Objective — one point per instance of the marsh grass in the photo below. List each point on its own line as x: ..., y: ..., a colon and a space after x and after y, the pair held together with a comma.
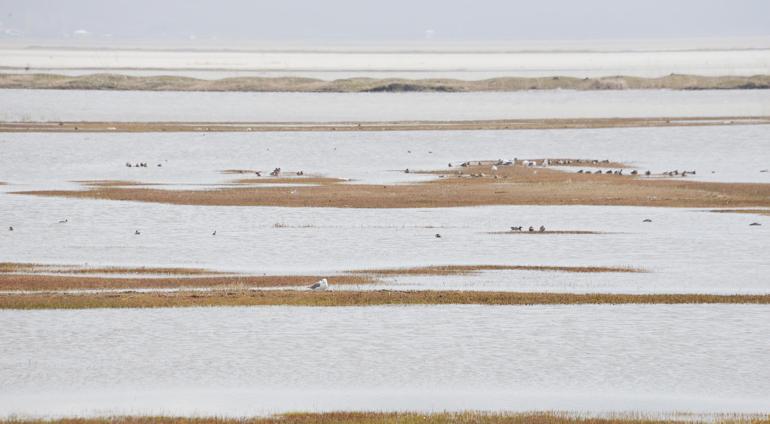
x: 350, y: 298
x: 470, y: 417
x: 470, y: 269
x: 176, y: 83
x: 547, y: 232
x: 33, y: 282
x: 46, y: 277
x: 456, y: 188
x: 497, y: 124
x: 17, y: 267
x: 764, y: 212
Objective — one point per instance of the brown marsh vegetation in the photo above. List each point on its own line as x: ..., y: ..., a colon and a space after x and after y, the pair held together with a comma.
x: 469, y: 269
x: 505, y: 124
x: 16, y: 267
x: 37, y: 282
x: 290, y: 84
x: 403, y: 418
x: 469, y: 186
x: 765, y: 212
x: 238, y: 297
x: 42, y: 277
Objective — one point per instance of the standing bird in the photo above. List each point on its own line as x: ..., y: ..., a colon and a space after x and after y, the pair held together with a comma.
x: 10, y: 228
x: 320, y: 286
x: 542, y: 228
x: 214, y: 233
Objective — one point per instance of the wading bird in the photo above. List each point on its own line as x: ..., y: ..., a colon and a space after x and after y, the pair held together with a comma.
x: 320, y: 285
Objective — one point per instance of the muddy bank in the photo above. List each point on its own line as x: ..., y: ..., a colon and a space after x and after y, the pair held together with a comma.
x: 477, y: 185
x: 350, y: 298
x: 498, y: 124
x: 42, y: 277
x: 353, y: 85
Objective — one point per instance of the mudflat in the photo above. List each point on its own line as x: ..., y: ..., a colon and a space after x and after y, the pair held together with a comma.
x: 464, y: 125
x: 476, y: 185
x: 352, y: 85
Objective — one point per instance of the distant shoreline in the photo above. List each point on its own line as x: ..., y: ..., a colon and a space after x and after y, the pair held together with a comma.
x: 358, y: 126
x: 121, y: 82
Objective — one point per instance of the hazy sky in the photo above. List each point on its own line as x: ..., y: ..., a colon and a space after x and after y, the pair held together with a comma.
x: 383, y: 20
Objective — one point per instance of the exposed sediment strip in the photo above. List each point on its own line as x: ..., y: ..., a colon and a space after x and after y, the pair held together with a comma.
x: 765, y: 212
x: 471, y: 417
x: 470, y: 269
x: 349, y: 298
x: 38, y: 282
x: 454, y: 187
x: 500, y: 124
x: 38, y: 268
x: 40, y: 277
x: 524, y: 232
x: 106, y: 81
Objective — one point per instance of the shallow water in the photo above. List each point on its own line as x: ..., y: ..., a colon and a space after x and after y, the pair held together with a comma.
x: 244, y: 361
x: 91, y: 105
x: 733, y: 153
x: 684, y: 250
x: 467, y: 62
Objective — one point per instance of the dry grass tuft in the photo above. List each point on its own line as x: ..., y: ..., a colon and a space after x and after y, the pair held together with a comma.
x: 350, y: 298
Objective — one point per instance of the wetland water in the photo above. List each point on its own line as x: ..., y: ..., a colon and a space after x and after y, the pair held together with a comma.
x: 241, y: 361
x: 93, y: 105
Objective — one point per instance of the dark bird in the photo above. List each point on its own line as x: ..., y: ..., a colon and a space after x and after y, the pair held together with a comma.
x: 647, y: 220
x: 10, y: 228
x: 136, y: 233
x: 755, y: 224
x: 214, y: 233
x: 438, y: 235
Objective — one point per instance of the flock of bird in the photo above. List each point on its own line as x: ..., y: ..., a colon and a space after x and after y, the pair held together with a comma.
x: 531, y: 229
x: 139, y: 165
